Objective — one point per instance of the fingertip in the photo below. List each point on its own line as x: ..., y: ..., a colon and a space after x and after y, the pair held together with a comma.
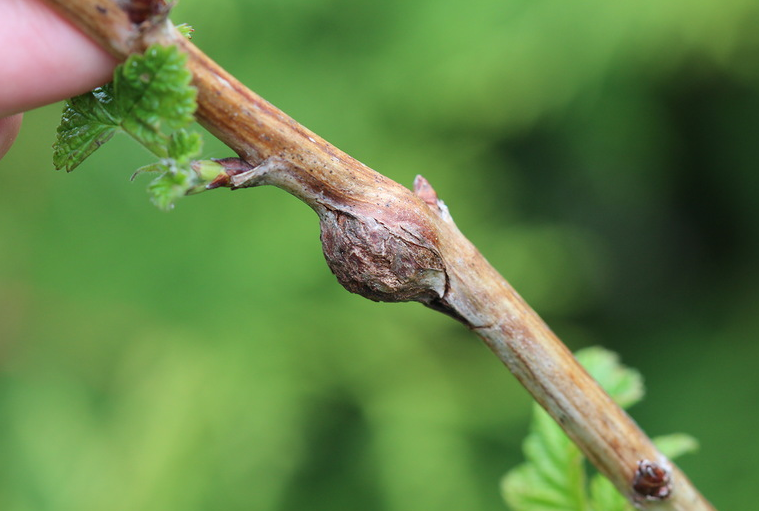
x: 9, y: 128
x: 52, y: 59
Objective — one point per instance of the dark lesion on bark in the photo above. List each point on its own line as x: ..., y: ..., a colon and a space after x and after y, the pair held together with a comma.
x: 369, y: 259
x: 381, y: 252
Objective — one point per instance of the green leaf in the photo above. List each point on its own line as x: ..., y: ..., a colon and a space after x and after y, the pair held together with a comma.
x: 168, y: 187
x: 88, y: 121
x: 676, y: 444
x: 605, y: 497
x: 184, y: 145
x: 153, y: 90
x: 553, y: 477
x: 149, y: 92
x: 624, y: 385
x: 179, y: 178
x: 186, y: 30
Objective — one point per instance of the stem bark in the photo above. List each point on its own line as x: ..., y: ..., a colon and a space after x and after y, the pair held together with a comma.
x: 391, y: 244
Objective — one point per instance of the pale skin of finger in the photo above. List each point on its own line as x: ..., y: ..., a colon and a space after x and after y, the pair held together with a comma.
x: 9, y: 127
x: 45, y: 59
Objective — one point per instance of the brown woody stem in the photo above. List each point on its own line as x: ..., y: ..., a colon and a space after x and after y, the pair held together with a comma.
x: 388, y: 243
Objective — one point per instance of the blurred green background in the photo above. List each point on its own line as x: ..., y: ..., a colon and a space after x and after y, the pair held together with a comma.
x: 602, y: 155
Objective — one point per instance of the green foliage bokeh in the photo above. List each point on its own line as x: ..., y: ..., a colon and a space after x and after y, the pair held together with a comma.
x: 603, y: 156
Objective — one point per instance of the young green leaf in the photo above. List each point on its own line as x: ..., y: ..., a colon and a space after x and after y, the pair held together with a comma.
x: 184, y: 145
x: 605, y: 497
x: 148, y: 92
x: 152, y: 100
x: 676, y: 444
x: 179, y: 178
x: 553, y: 477
x: 624, y: 384
x: 169, y: 186
x: 88, y: 121
x: 186, y: 30
x: 153, y: 90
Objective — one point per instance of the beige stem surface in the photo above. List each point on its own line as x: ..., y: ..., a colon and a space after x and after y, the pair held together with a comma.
x: 391, y: 244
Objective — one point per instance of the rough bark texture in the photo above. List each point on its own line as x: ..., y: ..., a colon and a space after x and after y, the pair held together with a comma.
x: 388, y: 243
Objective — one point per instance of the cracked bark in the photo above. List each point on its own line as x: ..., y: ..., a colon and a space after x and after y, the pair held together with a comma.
x: 388, y: 243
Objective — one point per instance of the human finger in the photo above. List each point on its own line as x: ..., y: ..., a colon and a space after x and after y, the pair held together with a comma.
x: 9, y: 127
x: 46, y: 59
